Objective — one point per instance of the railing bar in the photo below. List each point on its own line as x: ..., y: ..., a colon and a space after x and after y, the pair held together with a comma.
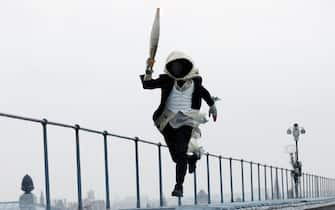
x: 92, y: 131
x: 221, y: 182
x: 160, y: 176
x: 102, y: 132
x: 259, y: 181
x: 208, y: 181
x: 46, y: 164
x: 251, y: 182
x: 20, y: 118
x: 271, y: 182
x: 231, y: 181
x: 242, y: 180
x: 106, y: 171
x: 147, y: 142
x: 282, y: 183
x: 286, y: 176
x: 138, y: 197
x: 265, y: 184
x: 195, y: 186
x: 80, y: 203
x: 62, y: 125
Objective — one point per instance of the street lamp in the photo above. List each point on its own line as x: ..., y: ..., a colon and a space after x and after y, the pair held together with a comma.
x: 296, y: 131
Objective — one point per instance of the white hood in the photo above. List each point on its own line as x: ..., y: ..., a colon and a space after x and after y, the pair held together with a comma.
x: 174, y: 55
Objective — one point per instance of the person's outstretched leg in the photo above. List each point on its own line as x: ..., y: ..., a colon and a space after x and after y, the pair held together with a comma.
x: 170, y: 139
x: 183, y: 135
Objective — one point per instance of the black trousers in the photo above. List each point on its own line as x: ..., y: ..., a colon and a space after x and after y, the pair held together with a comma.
x: 177, y: 141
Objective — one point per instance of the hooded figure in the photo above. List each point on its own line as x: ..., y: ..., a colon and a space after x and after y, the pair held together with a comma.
x: 178, y: 116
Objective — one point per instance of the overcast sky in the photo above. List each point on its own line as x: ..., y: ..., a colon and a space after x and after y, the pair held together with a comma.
x: 78, y: 61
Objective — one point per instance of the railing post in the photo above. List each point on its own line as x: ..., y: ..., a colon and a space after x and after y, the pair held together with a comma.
x: 293, y: 186
x: 195, y: 186
x: 300, y: 187
x: 231, y: 181
x: 322, y: 187
x: 242, y: 179
x: 319, y: 186
x: 328, y: 186
x: 313, y: 187
x: 80, y: 202
x: 303, y: 186
x: 160, y: 175
x: 46, y: 164
x: 251, y: 182
x: 138, y: 197
x: 282, y: 184
x: 309, y: 186
x: 287, y: 191
x: 277, y: 184
x: 221, y: 184
x: 271, y: 182
x: 259, y: 182
x: 325, y: 186
x: 316, y: 187
x: 208, y: 179
x: 105, y: 133
x: 265, y: 184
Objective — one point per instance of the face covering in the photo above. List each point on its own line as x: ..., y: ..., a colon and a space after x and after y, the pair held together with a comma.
x: 179, y: 68
x: 176, y: 69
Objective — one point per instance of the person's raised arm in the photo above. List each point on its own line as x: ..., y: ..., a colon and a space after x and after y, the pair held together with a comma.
x: 147, y: 81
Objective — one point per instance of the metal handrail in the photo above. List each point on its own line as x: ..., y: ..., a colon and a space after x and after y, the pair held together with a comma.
x: 311, y: 186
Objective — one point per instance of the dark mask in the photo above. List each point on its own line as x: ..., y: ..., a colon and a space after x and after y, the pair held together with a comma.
x: 179, y: 68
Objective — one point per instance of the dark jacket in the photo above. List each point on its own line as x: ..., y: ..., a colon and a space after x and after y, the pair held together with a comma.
x: 165, y: 83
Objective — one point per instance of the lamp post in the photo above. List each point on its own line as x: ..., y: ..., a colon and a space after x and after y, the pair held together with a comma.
x: 296, y: 131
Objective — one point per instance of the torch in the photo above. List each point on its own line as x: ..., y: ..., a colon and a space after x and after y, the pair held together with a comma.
x: 154, y: 38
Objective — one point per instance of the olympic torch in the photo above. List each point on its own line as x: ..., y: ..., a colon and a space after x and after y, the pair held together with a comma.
x: 154, y: 38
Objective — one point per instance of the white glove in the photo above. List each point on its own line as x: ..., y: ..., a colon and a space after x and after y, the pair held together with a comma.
x: 213, y: 111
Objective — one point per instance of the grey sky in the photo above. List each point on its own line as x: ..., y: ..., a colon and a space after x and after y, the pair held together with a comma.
x: 78, y: 61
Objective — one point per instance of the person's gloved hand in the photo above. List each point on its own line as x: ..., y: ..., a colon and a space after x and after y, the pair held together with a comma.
x: 150, y: 63
x: 213, y: 111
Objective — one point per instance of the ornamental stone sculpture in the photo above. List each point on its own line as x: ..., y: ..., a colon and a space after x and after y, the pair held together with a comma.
x: 27, y: 200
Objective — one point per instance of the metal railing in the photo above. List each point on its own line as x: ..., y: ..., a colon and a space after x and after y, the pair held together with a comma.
x: 311, y: 186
